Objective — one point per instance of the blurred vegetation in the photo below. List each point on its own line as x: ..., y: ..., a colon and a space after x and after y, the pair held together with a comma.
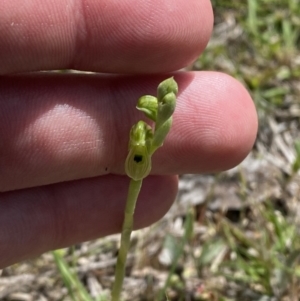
x: 257, y: 41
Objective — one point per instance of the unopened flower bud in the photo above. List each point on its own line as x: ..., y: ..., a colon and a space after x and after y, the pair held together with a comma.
x: 166, y: 108
x: 148, y: 105
x: 167, y: 86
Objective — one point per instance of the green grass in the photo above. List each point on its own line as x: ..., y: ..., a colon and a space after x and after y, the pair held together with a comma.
x: 263, y: 260
x: 76, y: 290
x: 75, y: 287
x: 263, y: 55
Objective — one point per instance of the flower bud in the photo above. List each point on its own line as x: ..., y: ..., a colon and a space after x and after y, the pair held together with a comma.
x: 166, y: 108
x: 148, y: 105
x: 167, y: 86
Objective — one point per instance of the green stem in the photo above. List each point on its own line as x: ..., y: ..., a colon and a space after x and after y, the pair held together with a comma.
x: 134, y: 190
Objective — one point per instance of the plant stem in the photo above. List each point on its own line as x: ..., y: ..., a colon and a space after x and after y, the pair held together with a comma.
x: 133, y: 192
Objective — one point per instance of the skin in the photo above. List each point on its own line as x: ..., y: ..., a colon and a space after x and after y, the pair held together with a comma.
x: 64, y: 137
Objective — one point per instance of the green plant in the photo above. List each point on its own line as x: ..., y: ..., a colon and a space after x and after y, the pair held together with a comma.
x: 296, y: 164
x: 143, y: 142
x: 76, y: 290
x: 264, y: 261
x: 178, y: 250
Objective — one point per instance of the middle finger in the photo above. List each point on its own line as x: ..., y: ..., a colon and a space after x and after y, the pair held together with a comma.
x: 59, y: 128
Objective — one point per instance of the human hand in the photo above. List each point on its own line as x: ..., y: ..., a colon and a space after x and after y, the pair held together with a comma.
x: 64, y: 136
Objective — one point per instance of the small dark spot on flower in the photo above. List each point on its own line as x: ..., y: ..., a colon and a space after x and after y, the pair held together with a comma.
x: 138, y: 158
x: 106, y: 168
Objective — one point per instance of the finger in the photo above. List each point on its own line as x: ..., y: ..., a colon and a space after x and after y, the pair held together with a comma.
x: 36, y: 220
x: 129, y: 36
x: 63, y: 128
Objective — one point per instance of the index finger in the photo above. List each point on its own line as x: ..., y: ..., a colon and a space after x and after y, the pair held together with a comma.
x: 129, y: 36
